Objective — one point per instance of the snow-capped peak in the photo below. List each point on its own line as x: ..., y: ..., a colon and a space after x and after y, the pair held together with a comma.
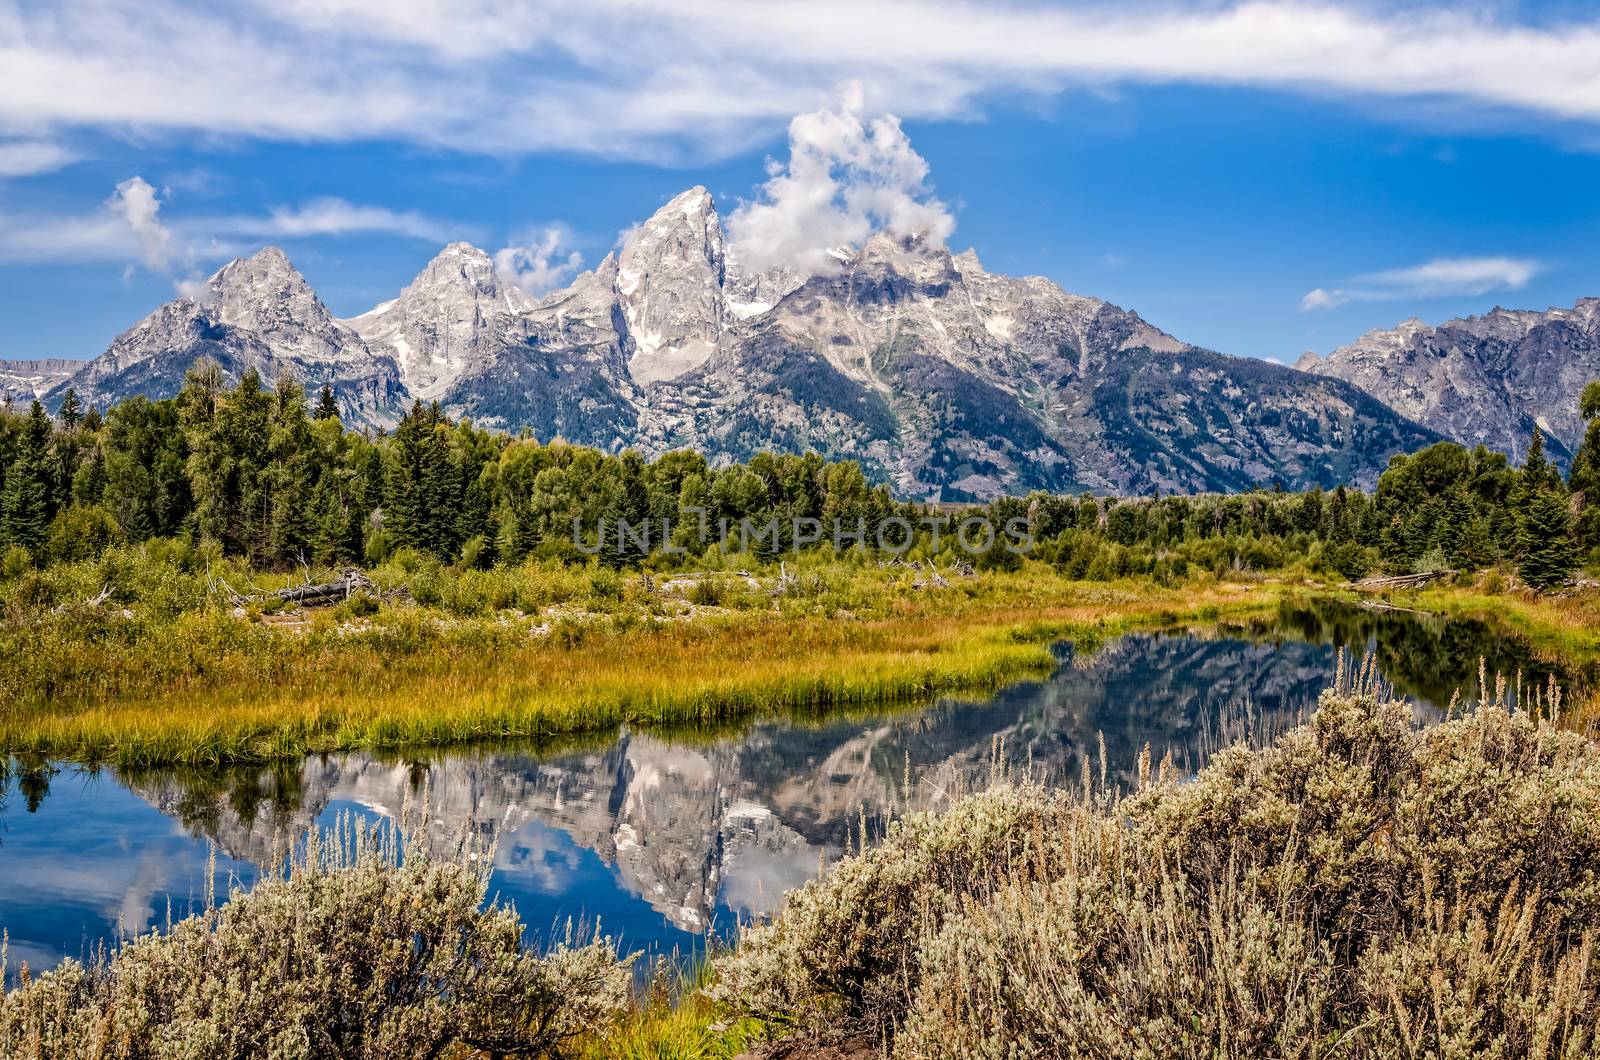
x: 669, y: 288
x: 451, y: 318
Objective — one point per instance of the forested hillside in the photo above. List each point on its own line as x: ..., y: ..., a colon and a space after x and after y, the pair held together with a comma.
x: 273, y: 478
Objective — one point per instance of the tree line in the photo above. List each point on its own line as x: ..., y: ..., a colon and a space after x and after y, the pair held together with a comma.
x: 275, y: 479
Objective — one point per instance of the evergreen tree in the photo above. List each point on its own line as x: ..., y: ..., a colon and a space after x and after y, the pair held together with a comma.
x: 422, y: 489
x: 288, y: 477
x: 1546, y: 550
x: 25, y: 502
x: 1585, y: 478
x: 327, y: 409
x: 229, y: 435
x: 71, y: 411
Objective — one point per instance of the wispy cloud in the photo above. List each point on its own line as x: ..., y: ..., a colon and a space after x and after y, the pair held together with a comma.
x: 131, y: 228
x: 1437, y: 278
x: 337, y: 217
x: 631, y: 76
x: 28, y: 158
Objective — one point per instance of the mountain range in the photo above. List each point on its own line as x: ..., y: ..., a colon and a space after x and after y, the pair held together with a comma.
x: 943, y: 379
x: 1482, y: 380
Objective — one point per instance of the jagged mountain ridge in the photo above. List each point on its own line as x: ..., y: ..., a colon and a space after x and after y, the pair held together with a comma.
x: 451, y: 317
x: 941, y: 378
x: 22, y: 381
x: 256, y: 312
x: 1481, y: 379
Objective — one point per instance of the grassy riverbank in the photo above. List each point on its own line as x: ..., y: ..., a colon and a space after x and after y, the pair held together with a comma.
x: 163, y: 672
x: 1563, y: 629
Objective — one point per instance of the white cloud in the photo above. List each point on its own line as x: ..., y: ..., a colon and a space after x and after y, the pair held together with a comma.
x: 848, y: 175
x: 1317, y: 298
x: 336, y: 217
x: 1440, y: 277
x: 27, y: 158
x: 136, y: 203
x: 539, y: 265
x: 711, y: 76
x: 131, y: 228
x: 1457, y: 276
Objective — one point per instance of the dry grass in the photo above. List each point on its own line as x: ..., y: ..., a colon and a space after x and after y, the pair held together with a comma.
x: 207, y: 688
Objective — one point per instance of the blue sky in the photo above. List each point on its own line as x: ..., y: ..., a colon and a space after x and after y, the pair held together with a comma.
x: 1263, y: 178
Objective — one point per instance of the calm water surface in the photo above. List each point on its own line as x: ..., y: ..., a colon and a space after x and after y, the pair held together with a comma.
x: 666, y: 836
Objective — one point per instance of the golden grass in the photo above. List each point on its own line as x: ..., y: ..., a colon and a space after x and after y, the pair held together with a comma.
x: 269, y: 695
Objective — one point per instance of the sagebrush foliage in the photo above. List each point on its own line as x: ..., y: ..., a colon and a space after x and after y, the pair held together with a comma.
x: 1362, y: 888
x: 363, y: 949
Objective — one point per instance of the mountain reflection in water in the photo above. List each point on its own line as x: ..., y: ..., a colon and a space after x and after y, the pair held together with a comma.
x: 665, y: 837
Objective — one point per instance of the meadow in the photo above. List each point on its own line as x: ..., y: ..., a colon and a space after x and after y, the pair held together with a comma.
x: 141, y: 657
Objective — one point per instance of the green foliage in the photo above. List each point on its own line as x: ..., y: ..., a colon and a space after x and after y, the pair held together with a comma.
x: 1546, y: 549
x: 327, y: 408
x: 81, y: 533
x: 1585, y: 478
x: 25, y: 500
x: 255, y: 471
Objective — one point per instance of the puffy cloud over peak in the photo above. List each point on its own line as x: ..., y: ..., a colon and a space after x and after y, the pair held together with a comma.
x: 848, y: 175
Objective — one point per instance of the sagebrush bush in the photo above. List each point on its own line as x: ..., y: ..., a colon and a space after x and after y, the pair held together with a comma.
x: 844, y: 948
x: 1362, y: 888
x: 364, y: 948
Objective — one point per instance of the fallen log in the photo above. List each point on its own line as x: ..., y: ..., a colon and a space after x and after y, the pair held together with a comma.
x: 350, y: 582
x: 1400, y: 581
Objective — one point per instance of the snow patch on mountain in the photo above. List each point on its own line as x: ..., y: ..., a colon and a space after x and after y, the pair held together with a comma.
x: 448, y: 321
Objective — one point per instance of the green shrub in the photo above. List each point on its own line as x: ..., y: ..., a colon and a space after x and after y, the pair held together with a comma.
x: 15, y: 561
x: 81, y: 533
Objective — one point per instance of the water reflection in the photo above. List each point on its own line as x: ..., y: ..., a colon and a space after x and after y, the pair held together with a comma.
x: 666, y: 837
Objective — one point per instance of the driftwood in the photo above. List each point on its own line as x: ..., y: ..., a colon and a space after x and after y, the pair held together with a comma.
x: 786, y: 581
x: 89, y: 603
x: 684, y: 582
x: 351, y: 581
x: 1401, y: 581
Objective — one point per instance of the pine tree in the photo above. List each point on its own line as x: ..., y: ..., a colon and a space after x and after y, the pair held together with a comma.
x: 1546, y: 550
x: 1538, y: 471
x: 288, y: 476
x: 71, y: 411
x: 327, y: 409
x: 1585, y: 478
x: 25, y: 504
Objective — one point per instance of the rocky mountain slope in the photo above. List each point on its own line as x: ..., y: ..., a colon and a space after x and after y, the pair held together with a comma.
x: 1484, y: 379
x: 256, y: 312
x: 942, y: 378
x: 22, y: 381
x: 452, y: 317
